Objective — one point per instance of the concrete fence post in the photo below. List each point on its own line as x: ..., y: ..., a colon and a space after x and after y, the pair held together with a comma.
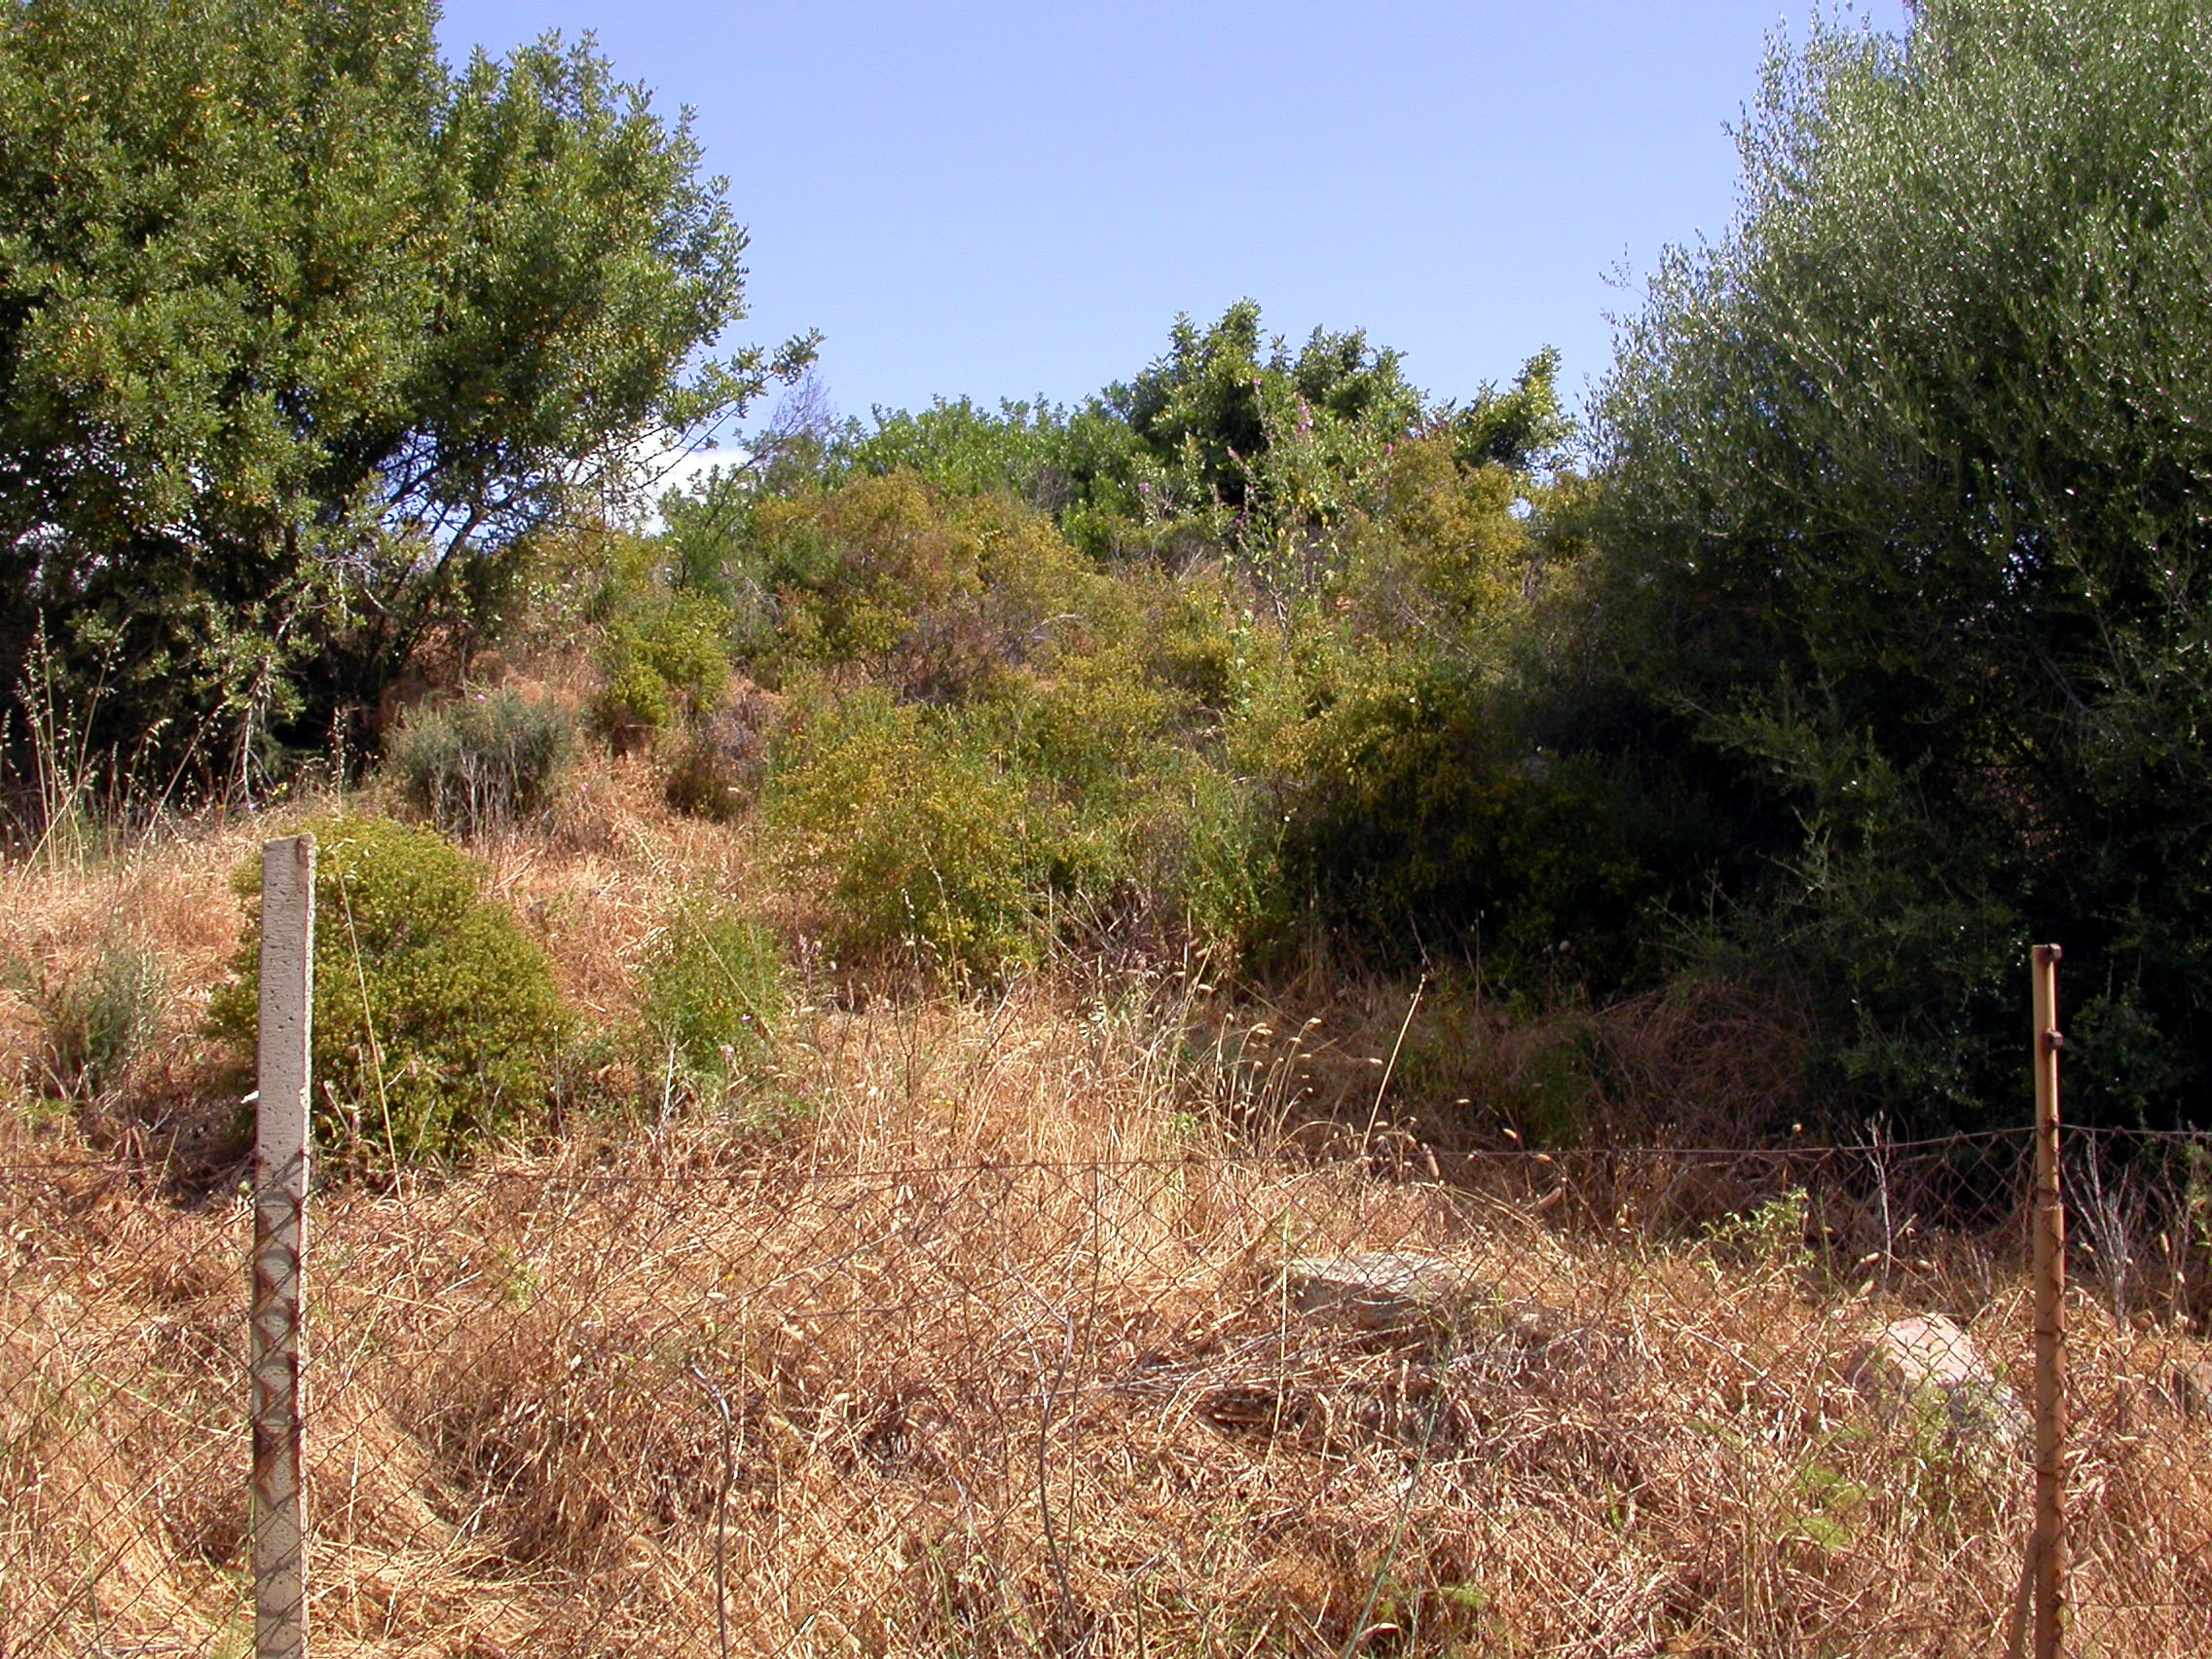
x: 280, y: 1247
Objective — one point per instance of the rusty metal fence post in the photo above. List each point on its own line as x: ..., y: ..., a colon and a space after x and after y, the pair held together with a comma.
x: 280, y: 1246
x: 2049, y: 1548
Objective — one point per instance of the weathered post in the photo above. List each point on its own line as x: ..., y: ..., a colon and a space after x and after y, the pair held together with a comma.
x: 280, y: 1247
x: 2048, y: 1550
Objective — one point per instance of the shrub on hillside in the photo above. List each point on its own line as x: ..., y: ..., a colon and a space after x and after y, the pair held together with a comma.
x: 98, y: 1020
x: 666, y: 662
x: 1207, y: 859
x: 944, y: 598
x: 972, y: 839
x: 484, y: 761
x: 918, y: 841
x: 711, y: 997
x: 1418, y: 817
x: 1905, y: 506
x: 1137, y: 828
x: 436, y: 1020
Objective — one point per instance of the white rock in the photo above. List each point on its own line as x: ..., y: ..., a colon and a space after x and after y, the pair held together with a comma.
x: 1927, y: 1365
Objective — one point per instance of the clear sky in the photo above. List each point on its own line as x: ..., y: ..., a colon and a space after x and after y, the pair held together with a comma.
x: 1008, y: 199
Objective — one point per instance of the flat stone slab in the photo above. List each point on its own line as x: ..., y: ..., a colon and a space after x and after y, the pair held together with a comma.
x: 1392, y: 1290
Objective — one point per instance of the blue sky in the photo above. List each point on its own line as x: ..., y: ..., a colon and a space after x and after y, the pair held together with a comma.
x: 1003, y: 200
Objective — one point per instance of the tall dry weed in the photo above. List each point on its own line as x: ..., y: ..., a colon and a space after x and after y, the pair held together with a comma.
x: 979, y: 1337
x: 991, y: 1352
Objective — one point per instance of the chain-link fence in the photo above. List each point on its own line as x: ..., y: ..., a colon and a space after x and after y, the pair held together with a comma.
x: 709, y: 1398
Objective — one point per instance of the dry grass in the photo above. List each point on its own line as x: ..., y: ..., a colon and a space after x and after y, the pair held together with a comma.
x: 967, y: 1336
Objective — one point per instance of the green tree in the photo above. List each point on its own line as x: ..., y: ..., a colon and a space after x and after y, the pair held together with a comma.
x: 1905, y: 508
x: 302, y: 334
x: 1269, y: 452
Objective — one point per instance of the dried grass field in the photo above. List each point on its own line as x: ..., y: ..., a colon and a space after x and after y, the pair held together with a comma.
x: 976, y: 1336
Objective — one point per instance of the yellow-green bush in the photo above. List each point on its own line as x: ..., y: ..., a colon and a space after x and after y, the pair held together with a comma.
x: 944, y: 598
x: 711, y: 999
x: 918, y: 842
x: 1414, y: 810
x: 436, y: 1020
x: 666, y: 660
x: 1205, y: 855
x: 1443, y: 554
x: 967, y: 837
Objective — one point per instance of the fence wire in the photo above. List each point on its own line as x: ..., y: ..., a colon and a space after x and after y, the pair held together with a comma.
x: 712, y: 1401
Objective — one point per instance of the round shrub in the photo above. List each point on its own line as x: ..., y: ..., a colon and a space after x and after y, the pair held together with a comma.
x: 920, y: 842
x: 665, y: 662
x: 436, y: 1018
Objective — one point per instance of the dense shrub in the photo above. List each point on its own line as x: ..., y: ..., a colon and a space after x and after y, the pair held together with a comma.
x: 1285, y: 691
x: 483, y: 761
x: 944, y: 598
x: 436, y: 1020
x: 1418, y: 823
x: 97, y: 1020
x: 666, y: 659
x: 712, y: 998
x: 969, y: 841
x: 917, y: 840
x: 1204, y: 856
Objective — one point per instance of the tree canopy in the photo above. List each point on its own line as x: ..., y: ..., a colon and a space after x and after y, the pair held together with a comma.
x: 1906, y: 508
x: 303, y: 333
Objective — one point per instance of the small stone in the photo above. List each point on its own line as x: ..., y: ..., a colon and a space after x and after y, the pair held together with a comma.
x: 1927, y: 1364
x: 2188, y: 1391
x: 1389, y: 1291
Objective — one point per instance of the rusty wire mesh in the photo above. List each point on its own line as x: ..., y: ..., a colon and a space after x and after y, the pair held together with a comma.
x: 711, y: 1399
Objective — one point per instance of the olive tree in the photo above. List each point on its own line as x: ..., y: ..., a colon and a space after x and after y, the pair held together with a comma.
x: 1907, y: 507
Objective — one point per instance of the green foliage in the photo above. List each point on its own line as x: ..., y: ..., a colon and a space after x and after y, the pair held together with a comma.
x: 667, y: 663
x: 1523, y: 430
x: 1419, y: 823
x: 1265, y: 454
x: 996, y: 746
x: 946, y: 597
x: 1205, y: 407
x: 1138, y: 831
x: 1405, y: 730
x: 965, y: 450
x: 483, y: 761
x: 1203, y: 858
x: 1200, y: 734
x: 1772, y: 1236
x: 1903, y: 512
x: 712, y: 999
x: 302, y: 334
x: 98, y: 1022
x: 438, y: 1024
x: 919, y: 840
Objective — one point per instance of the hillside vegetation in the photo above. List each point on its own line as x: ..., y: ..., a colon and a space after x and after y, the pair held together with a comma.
x: 1853, y: 639
x: 845, y: 994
